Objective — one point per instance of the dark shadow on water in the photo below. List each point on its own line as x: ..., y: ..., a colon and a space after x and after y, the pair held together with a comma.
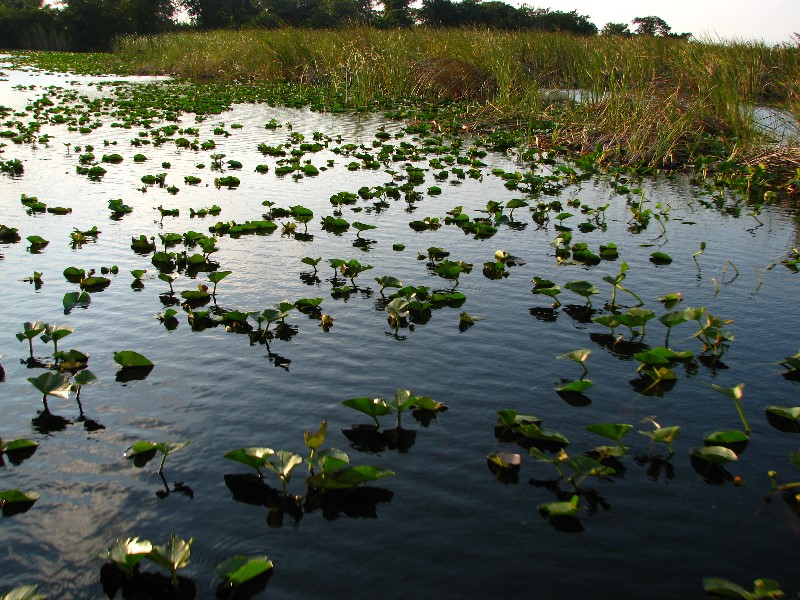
x: 368, y: 438
x: 656, y: 466
x: 782, y: 423
x: 47, y: 423
x: 576, y: 399
x: 711, y: 473
x: 144, y: 585
x: 545, y: 314
x: 648, y: 387
x: 127, y: 374
x: 17, y: 457
x: 249, y: 488
x: 356, y: 503
x: 622, y: 349
x: 580, y: 313
x: 245, y: 591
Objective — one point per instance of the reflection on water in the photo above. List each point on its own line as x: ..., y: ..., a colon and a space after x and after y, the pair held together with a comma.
x: 215, y: 383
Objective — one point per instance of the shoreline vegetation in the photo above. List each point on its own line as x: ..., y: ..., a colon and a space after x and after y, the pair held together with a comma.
x: 643, y: 101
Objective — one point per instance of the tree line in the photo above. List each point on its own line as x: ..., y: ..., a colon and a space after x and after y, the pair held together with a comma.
x: 94, y: 24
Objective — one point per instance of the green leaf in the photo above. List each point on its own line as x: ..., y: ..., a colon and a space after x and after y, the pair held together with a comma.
x: 721, y: 438
x: 717, y: 455
x: 578, y: 385
x: 579, y: 356
x: 511, y: 418
x: 23, y: 592
x: 373, y: 407
x: 665, y: 435
x: 285, y: 463
x: 314, y: 440
x: 217, y: 276
x: 582, y: 288
x: 73, y: 299
x: 16, y: 496
x: 402, y: 400
x: 389, y: 281
x: 240, y: 569
x: 348, y: 477
x: 31, y: 330
x: 734, y: 393
x: 173, y: 555
x: 535, y: 432
x: 763, y: 588
x: 785, y: 412
x: 84, y: 377
x: 52, y: 384
x: 139, y: 448
x: 127, y: 553
x: 612, y: 431
x: 16, y: 445
x: 252, y: 457
x: 95, y: 283
x: 660, y: 258
x: 560, y: 509
x: 129, y: 358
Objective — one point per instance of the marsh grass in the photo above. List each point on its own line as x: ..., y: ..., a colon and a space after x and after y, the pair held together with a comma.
x: 646, y: 100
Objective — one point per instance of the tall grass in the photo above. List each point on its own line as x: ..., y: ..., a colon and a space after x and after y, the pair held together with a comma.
x: 654, y: 100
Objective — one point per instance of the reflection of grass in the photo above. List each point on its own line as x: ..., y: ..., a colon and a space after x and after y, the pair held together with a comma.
x: 659, y: 98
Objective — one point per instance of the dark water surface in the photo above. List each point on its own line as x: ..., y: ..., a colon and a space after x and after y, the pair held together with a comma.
x: 443, y: 527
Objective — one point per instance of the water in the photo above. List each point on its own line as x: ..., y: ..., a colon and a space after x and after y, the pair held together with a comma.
x: 443, y: 527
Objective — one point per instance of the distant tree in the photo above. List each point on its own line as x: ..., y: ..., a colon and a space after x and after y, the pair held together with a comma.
x: 218, y: 14
x: 31, y: 25
x: 556, y: 20
x: 396, y: 13
x: 439, y: 13
x: 616, y: 29
x: 94, y: 24
x: 651, y: 26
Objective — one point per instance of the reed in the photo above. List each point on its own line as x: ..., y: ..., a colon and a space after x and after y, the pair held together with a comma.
x: 653, y: 100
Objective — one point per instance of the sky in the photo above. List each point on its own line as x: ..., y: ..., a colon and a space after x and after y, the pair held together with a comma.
x: 773, y: 21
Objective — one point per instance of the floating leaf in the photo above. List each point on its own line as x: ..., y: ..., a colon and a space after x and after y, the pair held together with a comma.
x: 717, y: 455
x: 785, y: 412
x: 612, y: 431
x: 240, y: 569
x: 578, y: 385
x: 724, y: 438
x: 560, y: 509
x: 129, y: 358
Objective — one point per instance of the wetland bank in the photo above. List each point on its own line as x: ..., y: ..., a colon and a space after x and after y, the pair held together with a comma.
x: 524, y: 324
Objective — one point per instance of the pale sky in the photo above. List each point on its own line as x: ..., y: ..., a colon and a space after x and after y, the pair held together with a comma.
x: 773, y: 21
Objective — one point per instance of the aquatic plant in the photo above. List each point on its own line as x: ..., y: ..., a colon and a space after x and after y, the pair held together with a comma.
x: 29, y: 331
x: 723, y: 588
x: 23, y: 592
x: 51, y: 384
x: 735, y: 393
x: 172, y: 556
